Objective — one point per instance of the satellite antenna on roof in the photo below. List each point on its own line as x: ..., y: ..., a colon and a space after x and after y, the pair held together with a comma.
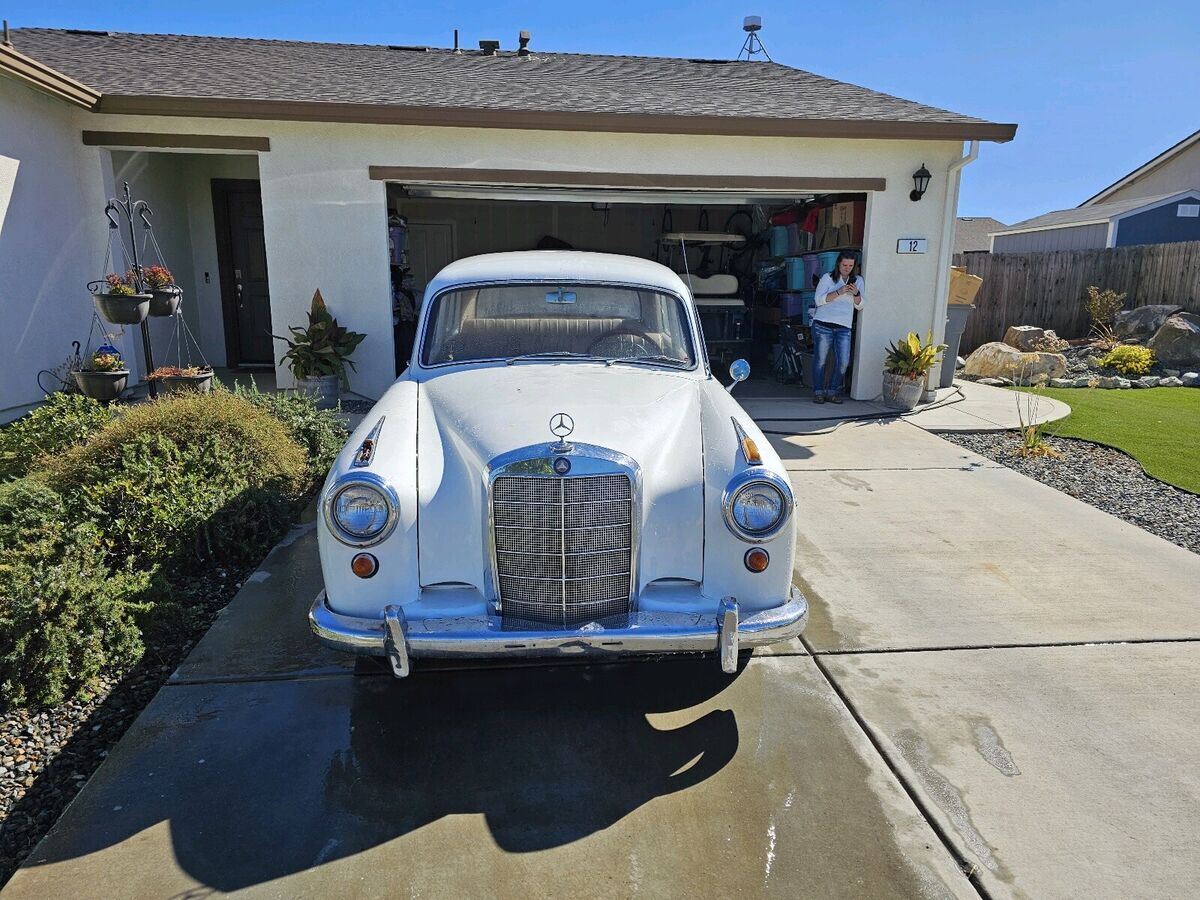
x: 752, y: 25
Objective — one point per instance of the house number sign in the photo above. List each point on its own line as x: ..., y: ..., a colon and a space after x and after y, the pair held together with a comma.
x: 911, y: 245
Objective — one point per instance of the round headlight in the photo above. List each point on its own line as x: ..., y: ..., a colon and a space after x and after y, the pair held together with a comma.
x: 360, y: 511
x: 757, y: 505
x: 757, y: 508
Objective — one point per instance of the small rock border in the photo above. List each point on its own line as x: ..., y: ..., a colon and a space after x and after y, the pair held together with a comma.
x: 47, y: 755
x: 1100, y: 476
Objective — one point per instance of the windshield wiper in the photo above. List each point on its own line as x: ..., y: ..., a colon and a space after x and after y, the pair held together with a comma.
x: 551, y: 354
x: 672, y: 362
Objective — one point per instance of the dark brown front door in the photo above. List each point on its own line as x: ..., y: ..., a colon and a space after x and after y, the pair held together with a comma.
x: 242, y: 255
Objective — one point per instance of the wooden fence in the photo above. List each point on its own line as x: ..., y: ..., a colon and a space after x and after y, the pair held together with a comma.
x: 1048, y: 289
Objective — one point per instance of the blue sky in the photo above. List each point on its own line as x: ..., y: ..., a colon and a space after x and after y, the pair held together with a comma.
x: 1097, y: 87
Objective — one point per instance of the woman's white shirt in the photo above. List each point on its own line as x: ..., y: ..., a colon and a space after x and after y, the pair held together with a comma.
x: 837, y: 310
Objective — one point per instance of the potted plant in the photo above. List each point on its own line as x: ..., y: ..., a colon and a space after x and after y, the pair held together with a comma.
x: 178, y: 380
x: 318, y: 355
x: 165, y: 292
x: 906, y: 370
x: 102, y: 377
x: 118, y: 299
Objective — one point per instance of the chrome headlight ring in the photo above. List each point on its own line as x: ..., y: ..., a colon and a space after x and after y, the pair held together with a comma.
x: 379, y: 486
x: 757, y: 475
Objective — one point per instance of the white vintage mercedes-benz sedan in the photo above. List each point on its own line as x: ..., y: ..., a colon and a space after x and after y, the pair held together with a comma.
x: 556, y: 473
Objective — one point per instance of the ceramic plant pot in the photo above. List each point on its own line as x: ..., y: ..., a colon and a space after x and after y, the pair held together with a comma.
x: 102, y: 386
x: 123, y: 309
x: 902, y: 393
x: 165, y: 301
x: 325, y: 389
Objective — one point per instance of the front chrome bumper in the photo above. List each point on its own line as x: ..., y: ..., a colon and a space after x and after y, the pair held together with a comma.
x: 483, y: 636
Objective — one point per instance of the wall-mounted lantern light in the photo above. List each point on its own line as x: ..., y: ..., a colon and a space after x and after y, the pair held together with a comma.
x: 921, y: 183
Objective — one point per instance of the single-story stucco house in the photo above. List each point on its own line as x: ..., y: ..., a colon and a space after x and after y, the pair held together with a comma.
x: 272, y: 168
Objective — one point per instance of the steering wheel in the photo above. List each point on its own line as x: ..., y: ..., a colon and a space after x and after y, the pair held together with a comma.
x: 623, y: 345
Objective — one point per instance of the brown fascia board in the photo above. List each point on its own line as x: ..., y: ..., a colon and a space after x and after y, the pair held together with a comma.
x: 176, y: 141
x: 380, y: 114
x: 622, y: 180
x: 46, y: 79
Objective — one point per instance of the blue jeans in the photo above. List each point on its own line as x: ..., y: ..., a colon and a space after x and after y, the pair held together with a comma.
x: 826, y: 337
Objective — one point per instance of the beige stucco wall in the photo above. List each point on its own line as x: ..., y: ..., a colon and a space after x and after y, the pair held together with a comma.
x: 325, y: 219
x: 1180, y: 173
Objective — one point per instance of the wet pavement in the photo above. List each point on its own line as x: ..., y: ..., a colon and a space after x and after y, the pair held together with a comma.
x: 965, y: 700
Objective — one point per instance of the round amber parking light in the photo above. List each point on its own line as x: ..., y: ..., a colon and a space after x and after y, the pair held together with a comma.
x: 364, y: 565
x: 757, y: 559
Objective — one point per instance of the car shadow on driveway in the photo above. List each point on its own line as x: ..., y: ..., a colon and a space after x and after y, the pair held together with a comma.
x: 261, y: 780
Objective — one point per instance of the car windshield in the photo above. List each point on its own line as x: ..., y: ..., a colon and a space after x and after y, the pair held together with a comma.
x: 558, y: 321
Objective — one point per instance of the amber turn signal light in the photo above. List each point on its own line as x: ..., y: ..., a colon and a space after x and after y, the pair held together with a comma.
x: 750, y: 452
x: 364, y: 565
x: 757, y: 559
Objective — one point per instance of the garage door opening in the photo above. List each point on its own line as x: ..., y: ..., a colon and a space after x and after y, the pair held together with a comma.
x: 752, y: 261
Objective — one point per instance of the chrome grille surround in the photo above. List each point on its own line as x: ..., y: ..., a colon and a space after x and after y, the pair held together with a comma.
x: 563, y: 549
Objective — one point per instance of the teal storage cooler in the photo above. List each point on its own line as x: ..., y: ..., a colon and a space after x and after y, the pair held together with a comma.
x: 779, y: 240
x: 797, y: 274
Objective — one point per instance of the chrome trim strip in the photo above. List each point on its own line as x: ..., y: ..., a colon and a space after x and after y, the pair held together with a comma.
x: 751, y: 476
x: 366, y: 450
x: 380, y: 484
x: 485, y: 637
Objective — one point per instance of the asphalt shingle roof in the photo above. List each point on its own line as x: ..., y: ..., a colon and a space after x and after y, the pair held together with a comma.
x: 1100, y: 212
x: 185, y: 66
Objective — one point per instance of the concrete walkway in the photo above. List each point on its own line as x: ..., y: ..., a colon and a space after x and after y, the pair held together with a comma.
x: 998, y: 681
x: 966, y: 406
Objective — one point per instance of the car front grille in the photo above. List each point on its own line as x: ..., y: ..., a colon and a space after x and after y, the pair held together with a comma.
x: 564, y: 548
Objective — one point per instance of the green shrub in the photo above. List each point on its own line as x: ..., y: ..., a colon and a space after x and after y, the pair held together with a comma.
x: 1129, y: 359
x: 319, y: 431
x: 64, y: 421
x: 188, y: 479
x: 65, y: 617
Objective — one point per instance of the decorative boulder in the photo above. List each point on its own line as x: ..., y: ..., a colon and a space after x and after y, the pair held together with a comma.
x: 1024, y: 337
x: 1142, y: 322
x: 1177, y: 343
x: 999, y: 360
x: 1191, y: 379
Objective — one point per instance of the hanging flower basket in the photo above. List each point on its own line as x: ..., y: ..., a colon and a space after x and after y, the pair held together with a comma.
x: 181, y: 380
x: 118, y: 301
x: 162, y: 287
x: 102, y: 386
x: 103, y: 377
x: 165, y: 301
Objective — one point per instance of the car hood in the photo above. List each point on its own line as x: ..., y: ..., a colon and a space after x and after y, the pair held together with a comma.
x: 467, y: 418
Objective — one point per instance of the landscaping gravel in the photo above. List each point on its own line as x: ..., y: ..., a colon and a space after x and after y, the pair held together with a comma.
x: 1105, y: 478
x: 47, y: 755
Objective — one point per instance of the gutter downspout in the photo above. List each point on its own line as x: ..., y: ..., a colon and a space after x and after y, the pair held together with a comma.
x: 946, y: 252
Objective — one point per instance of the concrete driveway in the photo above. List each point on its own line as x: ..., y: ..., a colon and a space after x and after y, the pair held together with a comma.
x: 998, y: 680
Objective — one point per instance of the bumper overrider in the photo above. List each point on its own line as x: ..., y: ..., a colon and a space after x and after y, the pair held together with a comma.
x: 462, y: 637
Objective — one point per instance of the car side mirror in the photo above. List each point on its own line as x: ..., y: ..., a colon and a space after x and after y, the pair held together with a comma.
x: 739, y: 371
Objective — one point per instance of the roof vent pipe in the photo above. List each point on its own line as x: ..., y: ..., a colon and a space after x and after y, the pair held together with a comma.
x: 8, y: 38
x: 489, y: 48
x: 523, y: 39
x: 456, y: 47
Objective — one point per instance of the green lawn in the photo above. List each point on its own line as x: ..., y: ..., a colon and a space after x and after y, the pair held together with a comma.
x: 1160, y: 427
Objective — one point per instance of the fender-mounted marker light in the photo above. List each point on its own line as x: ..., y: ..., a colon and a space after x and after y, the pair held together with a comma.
x: 749, y: 448
x: 757, y: 559
x: 364, y: 565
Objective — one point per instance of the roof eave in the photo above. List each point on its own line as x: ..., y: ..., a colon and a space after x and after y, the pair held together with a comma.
x: 388, y: 114
x: 45, y: 79
x: 1144, y: 169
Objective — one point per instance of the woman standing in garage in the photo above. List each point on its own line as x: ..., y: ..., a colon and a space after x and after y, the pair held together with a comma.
x: 839, y: 293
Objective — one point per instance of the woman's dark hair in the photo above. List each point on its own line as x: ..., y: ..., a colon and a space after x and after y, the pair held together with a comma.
x: 845, y: 254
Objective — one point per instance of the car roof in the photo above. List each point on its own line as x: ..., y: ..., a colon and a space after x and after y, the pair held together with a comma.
x: 559, y: 266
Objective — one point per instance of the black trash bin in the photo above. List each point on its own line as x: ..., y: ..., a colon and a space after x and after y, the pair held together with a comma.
x: 956, y: 323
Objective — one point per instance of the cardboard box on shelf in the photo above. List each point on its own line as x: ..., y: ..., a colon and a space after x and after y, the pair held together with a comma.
x: 849, y: 218
x: 963, y: 286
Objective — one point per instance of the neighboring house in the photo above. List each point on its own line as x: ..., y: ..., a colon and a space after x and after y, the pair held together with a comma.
x: 272, y: 168
x: 971, y: 233
x: 1157, y: 203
